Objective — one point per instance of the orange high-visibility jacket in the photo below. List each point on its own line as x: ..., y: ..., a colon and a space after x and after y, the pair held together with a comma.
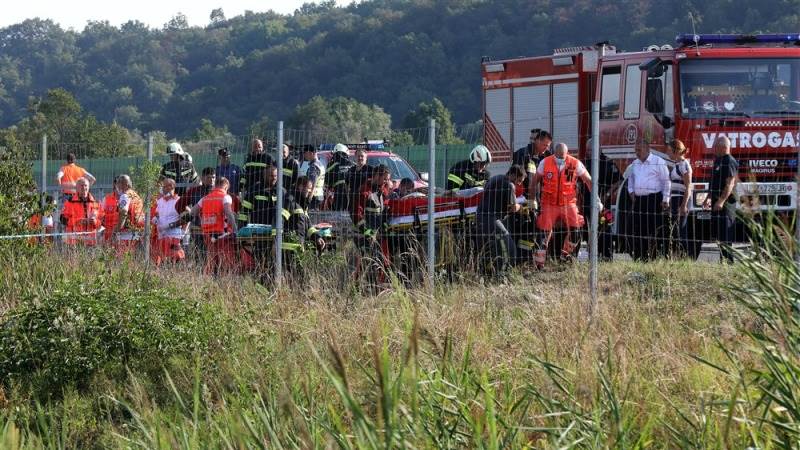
x: 559, y: 186
x: 82, y: 216
x: 212, y: 212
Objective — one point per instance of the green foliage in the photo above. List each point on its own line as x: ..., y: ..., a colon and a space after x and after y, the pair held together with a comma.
x: 395, y: 54
x: 18, y: 197
x: 145, y: 179
x: 209, y: 131
x: 107, y: 323
x: 59, y: 116
x: 340, y: 120
x: 420, y: 119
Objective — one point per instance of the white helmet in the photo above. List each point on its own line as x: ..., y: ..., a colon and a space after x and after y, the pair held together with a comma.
x: 174, y: 149
x: 480, y: 153
x: 341, y: 148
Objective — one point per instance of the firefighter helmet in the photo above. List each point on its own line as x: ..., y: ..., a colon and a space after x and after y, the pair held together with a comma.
x: 174, y: 149
x: 480, y: 153
x: 341, y: 148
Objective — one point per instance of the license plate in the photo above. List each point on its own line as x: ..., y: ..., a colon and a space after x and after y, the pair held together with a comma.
x: 768, y: 189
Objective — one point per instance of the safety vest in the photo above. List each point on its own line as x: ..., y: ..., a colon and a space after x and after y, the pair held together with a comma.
x: 70, y: 174
x: 110, y: 216
x: 212, y: 213
x: 76, y: 210
x: 135, y: 219
x: 558, y: 186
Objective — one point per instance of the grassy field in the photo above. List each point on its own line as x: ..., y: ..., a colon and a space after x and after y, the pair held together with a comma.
x: 100, y: 353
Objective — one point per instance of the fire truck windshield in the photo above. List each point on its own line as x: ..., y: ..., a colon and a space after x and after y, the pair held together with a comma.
x: 740, y: 87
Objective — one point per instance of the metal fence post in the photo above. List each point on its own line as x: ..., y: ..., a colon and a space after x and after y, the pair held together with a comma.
x: 279, y: 209
x: 431, y: 204
x: 147, y: 202
x: 44, y: 170
x: 595, y: 219
x: 797, y: 213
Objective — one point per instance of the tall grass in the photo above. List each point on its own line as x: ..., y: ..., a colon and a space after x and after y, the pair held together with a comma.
x: 674, y: 358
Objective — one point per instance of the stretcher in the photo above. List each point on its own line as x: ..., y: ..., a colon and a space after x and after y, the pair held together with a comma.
x: 450, y: 208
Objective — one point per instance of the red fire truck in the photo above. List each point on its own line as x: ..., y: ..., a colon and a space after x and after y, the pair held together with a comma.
x: 746, y: 87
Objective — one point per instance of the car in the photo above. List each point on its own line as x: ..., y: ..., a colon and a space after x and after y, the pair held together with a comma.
x: 399, y: 167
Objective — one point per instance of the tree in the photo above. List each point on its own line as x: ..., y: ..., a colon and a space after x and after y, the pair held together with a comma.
x: 177, y: 22
x: 420, y: 118
x: 339, y: 119
x: 57, y: 114
x: 208, y: 131
x: 217, y: 16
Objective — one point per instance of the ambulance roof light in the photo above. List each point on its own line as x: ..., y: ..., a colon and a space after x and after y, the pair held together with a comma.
x: 687, y: 40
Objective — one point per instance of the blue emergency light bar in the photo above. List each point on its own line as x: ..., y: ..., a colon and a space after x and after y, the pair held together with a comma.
x: 362, y: 146
x: 688, y: 40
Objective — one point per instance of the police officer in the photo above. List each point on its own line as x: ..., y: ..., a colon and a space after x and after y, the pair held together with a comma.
x: 470, y: 173
x: 336, y: 177
x: 179, y: 168
x: 254, y: 165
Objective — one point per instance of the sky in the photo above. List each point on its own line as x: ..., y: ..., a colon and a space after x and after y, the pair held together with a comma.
x: 155, y: 13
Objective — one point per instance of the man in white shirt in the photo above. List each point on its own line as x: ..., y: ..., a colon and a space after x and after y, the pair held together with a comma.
x: 649, y: 187
x: 168, y: 223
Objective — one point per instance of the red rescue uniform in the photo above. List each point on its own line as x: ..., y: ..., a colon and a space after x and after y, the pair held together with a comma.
x: 110, y: 215
x: 559, y: 194
x: 221, y: 252
x: 81, y: 216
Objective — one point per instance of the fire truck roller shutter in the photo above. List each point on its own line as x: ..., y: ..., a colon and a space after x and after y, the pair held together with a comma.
x: 498, y: 108
x: 565, y: 114
x: 531, y: 110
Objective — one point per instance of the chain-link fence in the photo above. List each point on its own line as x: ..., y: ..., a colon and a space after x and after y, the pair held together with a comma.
x: 524, y: 201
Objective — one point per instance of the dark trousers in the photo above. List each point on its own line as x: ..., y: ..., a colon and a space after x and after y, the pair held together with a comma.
x: 647, y: 219
x: 723, y: 223
x: 678, y: 229
x: 495, y: 245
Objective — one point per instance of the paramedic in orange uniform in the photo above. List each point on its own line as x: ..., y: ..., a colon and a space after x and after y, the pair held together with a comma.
x: 558, y: 175
x: 218, y: 224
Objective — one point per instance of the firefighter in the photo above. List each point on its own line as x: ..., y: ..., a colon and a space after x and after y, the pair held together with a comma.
x: 218, y: 223
x: 494, y: 241
x: 372, y: 219
x: 110, y: 216
x: 358, y: 174
x: 130, y: 211
x: 69, y: 174
x: 471, y: 172
x: 291, y: 168
x: 316, y: 173
x: 179, y: 168
x: 336, y: 178
x: 299, y: 228
x: 254, y: 165
x: 530, y: 156
x: 82, y: 214
x: 184, y: 205
x: 259, y: 208
x: 558, y: 175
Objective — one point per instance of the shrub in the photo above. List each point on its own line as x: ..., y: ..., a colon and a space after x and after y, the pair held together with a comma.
x: 104, y: 323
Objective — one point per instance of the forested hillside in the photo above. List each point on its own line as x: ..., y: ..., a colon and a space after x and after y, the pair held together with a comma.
x: 391, y: 53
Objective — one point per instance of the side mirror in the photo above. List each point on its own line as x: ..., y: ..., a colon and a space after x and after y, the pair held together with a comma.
x: 424, y: 176
x: 666, y: 122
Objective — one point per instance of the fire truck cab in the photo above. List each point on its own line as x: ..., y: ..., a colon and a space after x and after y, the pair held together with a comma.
x: 744, y: 87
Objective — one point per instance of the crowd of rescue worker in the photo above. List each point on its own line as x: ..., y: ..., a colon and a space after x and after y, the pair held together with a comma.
x: 224, y: 218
